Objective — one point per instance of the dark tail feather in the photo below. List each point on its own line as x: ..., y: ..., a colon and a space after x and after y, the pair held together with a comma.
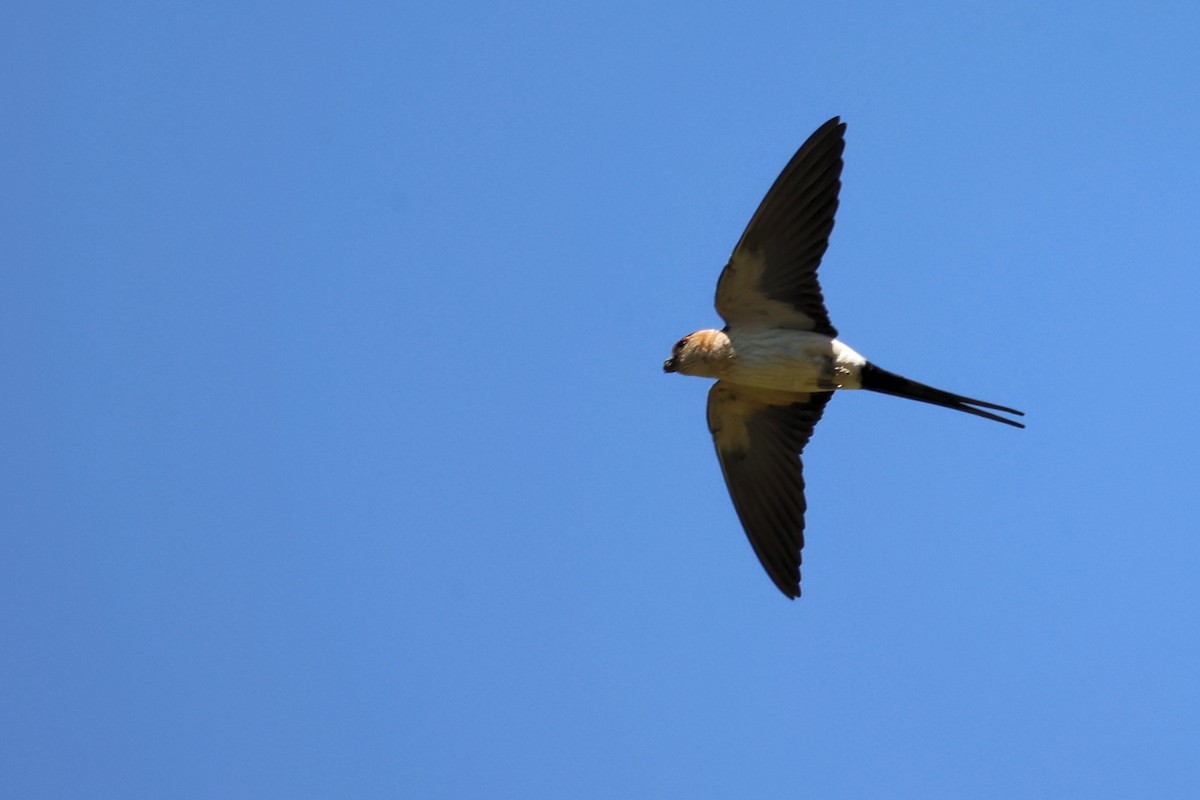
x: 880, y: 380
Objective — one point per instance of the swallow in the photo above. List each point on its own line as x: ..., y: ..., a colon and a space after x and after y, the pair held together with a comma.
x: 778, y: 360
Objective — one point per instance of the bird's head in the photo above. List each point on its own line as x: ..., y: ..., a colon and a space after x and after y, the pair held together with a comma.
x: 703, y: 353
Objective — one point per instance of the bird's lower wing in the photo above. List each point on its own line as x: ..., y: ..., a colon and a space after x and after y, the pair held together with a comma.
x: 759, y: 435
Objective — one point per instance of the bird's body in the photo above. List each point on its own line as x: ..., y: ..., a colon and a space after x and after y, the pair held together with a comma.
x: 774, y: 358
x: 778, y: 360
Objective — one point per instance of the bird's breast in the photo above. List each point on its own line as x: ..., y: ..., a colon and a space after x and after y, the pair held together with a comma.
x: 794, y: 361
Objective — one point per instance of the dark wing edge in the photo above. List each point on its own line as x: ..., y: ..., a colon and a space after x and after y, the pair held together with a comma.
x: 759, y: 437
x: 783, y: 244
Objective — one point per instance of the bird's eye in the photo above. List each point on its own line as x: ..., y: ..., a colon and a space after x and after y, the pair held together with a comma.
x: 679, y: 345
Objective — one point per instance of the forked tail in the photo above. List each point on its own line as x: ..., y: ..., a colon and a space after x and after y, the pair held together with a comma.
x: 884, y: 382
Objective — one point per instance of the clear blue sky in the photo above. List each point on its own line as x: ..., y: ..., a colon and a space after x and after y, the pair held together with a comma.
x: 338, y: 460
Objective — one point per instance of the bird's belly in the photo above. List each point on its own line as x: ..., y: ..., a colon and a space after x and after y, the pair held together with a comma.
x: 786, y: 372
x: 794, y: 361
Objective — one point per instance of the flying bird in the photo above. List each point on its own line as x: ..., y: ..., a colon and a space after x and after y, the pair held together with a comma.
x: 778, y: 360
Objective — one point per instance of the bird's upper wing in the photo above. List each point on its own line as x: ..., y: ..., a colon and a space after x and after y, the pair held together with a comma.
x: 759, y: 434
x: 771, y: 278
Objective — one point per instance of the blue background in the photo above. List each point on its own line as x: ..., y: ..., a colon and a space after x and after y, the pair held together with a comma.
x: 338, y: 461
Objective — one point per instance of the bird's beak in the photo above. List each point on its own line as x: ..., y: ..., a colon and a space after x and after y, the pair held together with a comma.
x: 669, y: 365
